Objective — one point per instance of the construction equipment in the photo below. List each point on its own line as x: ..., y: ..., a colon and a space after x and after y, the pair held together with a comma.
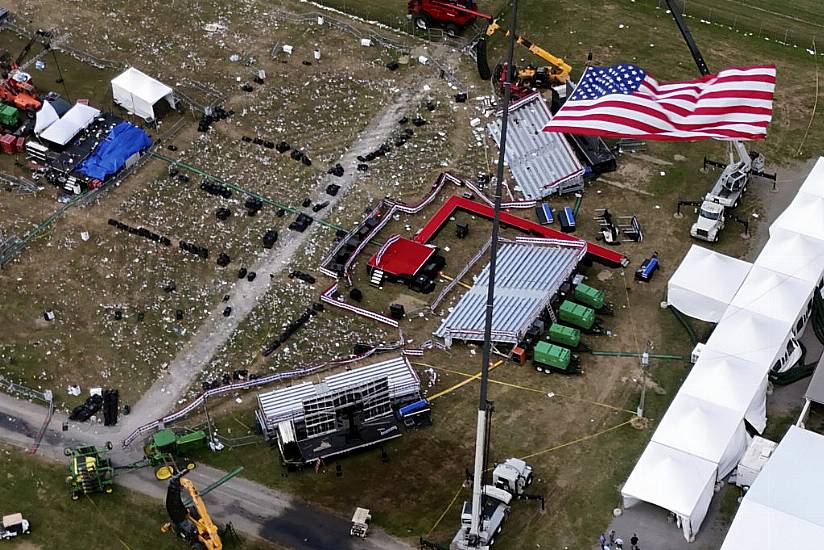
x: 360, y: 523
x: 13, y: 526
x: 90, y: 470
x: 483, y: 517
x: 16, y: 88
x: 553, y: 358
x: 732, y: 183
x: 529, y: 78
x: 452, y: 15
x: 191, y: 522
x: 727, y: 191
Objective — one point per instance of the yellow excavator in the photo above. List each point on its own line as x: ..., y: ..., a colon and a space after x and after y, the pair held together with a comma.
x: 190, y: 521
x: 523, y: 80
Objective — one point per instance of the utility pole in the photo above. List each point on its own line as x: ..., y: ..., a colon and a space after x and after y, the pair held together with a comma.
x: 644, y: 367
x: 481, y: 434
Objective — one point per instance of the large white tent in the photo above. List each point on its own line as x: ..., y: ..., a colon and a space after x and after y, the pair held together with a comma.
x: 674, y: 480
x: 805, y: 215
x: 138, y: 92
x: 732, y: 383
x: 793, y: 254
x: 704, y: 429
x: 63, y: 130
x: 814, y: 182
x: 705, y: 283
x: 777, y: 295
x: 782, y: 510
x: 45, y: 117
x: 750, y: 336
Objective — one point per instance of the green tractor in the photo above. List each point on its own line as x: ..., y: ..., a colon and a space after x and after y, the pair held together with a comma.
x: 165, y: 451
x: 90, y: 470
x: 553, y: 358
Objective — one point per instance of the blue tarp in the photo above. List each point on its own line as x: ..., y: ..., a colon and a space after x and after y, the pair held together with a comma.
x: 110, y: 155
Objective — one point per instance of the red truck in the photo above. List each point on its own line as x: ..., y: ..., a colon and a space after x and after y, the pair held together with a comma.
x: 451, y: 15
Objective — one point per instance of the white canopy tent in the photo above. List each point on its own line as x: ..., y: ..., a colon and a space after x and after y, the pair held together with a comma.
x: 731, y: 383
x: 138, y: 92
x: 782, y: 509
x: 775, y: 295
x: 705, y: 283
x: 750, y: 336
x: 704, y: 429
x: 45, y: 117
x: 793, y: 254
x: 805, y: 216
x: 814, y: 183
x: 75, y: 119
x: 674, y: 480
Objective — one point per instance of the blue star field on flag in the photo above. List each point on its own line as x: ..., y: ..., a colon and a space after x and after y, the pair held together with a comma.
x: 600, y: 81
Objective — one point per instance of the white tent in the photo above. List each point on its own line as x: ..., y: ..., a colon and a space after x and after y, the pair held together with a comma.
x: 44, y: 118
x: 814, y: 183
x: 782, y: 509
x: 775, y: 295
x: 732, y: 383
x: 705, y: 282
x: 137, y: 92
x: 674, y: 480
x: 805, y: 215
x: 704, y: 429
x: 75, y: 119
x: 793, y: 254
x: 750, y: 336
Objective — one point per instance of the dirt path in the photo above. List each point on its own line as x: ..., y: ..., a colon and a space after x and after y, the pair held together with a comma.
x: 167, y: 390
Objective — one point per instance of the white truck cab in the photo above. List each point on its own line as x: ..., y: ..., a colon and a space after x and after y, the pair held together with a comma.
x: 710, y: 222
x: 14, y: 525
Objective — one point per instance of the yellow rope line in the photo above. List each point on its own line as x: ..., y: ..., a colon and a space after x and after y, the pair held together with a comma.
x: 99, y: 513
x: 580, y: 439
x: 446, y: 510
x: 526, y: 388
x: 555, y: 448
x: 462, y: 383
x: 629, y: 311
x: 448, y: 278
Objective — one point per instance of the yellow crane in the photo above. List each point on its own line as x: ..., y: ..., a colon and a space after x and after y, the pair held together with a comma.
x: 558, y: 69
x: 190, y: 520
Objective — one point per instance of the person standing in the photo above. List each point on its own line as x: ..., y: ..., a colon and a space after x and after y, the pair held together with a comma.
x: 602, y: 540
x: 633, y: 542
x: 619, y: 544
x: 612, y: 537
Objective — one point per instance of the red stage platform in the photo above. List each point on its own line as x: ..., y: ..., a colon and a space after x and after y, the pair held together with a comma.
x: 401, y: 257
x: 596, y: 252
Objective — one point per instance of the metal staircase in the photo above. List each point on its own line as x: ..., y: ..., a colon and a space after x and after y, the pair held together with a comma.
x: 376, y: 278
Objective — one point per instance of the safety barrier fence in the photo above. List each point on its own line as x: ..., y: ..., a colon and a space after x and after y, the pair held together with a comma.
x: 248, y: 384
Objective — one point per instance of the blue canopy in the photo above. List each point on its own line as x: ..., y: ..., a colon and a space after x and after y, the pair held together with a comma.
x: 110, y: 155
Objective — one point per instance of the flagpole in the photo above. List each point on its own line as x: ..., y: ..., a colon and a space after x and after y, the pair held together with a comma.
x: 481, y: 436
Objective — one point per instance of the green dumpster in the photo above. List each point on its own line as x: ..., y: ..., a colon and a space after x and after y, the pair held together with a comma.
x: 589, y: 296
x: 9, y: 116
x: 566, y: 336
x: 576, y: 314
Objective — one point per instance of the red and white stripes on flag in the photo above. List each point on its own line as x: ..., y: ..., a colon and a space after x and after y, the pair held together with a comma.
x: 625, y: 101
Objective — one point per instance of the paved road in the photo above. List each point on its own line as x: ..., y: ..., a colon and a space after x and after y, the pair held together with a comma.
x: 252, y: 508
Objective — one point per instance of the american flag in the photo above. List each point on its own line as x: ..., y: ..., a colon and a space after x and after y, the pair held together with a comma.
x: 625, y: 101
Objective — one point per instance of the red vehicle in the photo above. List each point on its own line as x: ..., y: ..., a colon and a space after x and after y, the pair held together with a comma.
x: 452, y: 15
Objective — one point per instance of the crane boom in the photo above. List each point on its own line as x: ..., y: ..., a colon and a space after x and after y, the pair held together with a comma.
x: 561, y: 69
x: 685, y: 32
